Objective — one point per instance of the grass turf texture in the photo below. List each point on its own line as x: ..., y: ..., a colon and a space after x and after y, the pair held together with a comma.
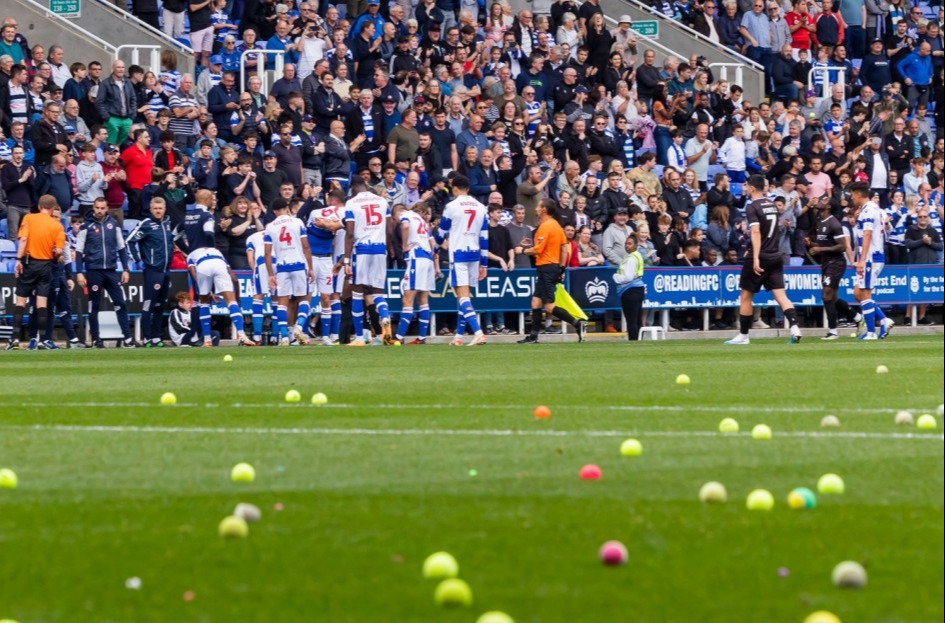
x: 362, y: 511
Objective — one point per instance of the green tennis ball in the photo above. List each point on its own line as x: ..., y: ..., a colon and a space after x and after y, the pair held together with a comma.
x: 494, y: 617
x: 168, y: 398
x: 453, y: 593
x: 926, y: 422
x: 682, y: 379
x: 227, y: 358
x: 760, y: 500
x: 830, y: 484
x: 8, y: 479
x: 243, y: 472
x: 233, y: 527
x: 728, y: 425
x: 761, y: 431
x: 293, y: 396
x: 801, y: 498
x: 822, y: 616
x: 440, y: 566
x: 319, y: 398
x: 631, y: 447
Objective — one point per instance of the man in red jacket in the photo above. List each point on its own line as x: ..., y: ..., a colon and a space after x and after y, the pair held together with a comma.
x: 138, y: 163
x: 115, y: 183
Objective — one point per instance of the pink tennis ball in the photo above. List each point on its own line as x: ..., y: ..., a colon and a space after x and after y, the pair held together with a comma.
x: 613, y: 553
x: 590, y: 472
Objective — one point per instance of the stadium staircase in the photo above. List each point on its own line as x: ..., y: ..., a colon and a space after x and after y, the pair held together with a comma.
x: 102, y: 32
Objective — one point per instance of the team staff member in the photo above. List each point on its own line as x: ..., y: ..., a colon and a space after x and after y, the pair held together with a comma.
x: 630, y: 286
x: 551, y: 256
x: 42, y: 240
x: 152, y: 243
x: 98, y: 247
x: 764, y: 263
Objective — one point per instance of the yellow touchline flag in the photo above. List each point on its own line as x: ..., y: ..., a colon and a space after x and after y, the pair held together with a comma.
x: 565, y: 302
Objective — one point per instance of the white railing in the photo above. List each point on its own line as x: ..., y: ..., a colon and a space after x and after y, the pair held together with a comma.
x: 79, y: 32
x: 826, y: 82
x: 154, y: 55
x: 723, y: 72
x: 262, y: 56
x: 693, y: 33
x: 125, y: 15
x: 649, y: 41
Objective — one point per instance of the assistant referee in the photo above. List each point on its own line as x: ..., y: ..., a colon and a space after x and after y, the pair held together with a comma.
x: 551, y: 256
x: 42, y: 240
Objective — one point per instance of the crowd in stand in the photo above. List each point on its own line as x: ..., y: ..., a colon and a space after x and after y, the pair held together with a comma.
x: 562, y: 105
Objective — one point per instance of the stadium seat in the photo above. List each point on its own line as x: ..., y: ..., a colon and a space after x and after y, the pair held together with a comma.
x: 129, y: 225
x: 3, y: 228
x: 7, y: 249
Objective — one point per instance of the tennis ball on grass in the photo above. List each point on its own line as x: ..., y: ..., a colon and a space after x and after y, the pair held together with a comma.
x: 590, y: 472
x: 881, y: 369
x: 8, y: 479
x: 243, y: 472
x: 760, y: 500
x: 249, y: 512
x: 822, y: 616
x: 233, y: 527
x: 682, y: 379
x: 631, y: 447
x: 849, y: 574
x: 728, y: 425
x: 613, y: 553
x: 227, y: 358
x: 319, y: 398
x: 453, y: 593
x: 904, y: 418
x: 926, y: 422
x: 713, y: 493
x: 293, y: 396
x: 830, y: 421
x: 801, y: 498
x: 440, y: 566
x: 830, y: 484
x: 168, y: 398
x: 761, y: 431
x: 541, y: 412
x: 494, y: 617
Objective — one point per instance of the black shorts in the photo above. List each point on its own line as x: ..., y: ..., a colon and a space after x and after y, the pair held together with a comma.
x: 36, y: 278
x: 547, y: 281
x: 831, y: 272
x: 771, y: 279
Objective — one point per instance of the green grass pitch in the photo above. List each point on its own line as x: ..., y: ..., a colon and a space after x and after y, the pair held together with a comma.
x: 113, y: 485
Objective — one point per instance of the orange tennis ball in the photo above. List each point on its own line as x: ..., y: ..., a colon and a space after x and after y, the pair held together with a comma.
x: 541, y: 411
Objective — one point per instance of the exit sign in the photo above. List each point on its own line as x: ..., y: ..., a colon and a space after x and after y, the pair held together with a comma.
x: 649, y: 29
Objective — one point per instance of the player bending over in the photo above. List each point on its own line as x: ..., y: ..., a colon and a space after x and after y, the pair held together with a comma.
x: 764, y: 264
x: 212, y: 275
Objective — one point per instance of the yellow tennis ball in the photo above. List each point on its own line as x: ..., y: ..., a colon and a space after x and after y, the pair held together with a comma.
x: 293, y: 396
x: 319, y: 398
x: 728, y: 425
x: 168, y: 398
x: 233, y: 527
x: 494, y: 617
x: 453, y: 593
x: 243, y: 472
x: 440, y: 566
x: 713, y: 493
x: 881, y: 369
x: 830, y: 484
x: 926, y: 422
x: 822, y: 616
x: 631, y: 447
x: 760, y: 500
x: 761, y: 431
x: 228, y: 358
x: 8, y: 479
x: 682, y: 379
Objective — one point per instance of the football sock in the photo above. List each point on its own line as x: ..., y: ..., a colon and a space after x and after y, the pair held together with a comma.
x: 880, y: 316
x: 236, y: 315
x: 374, y: 318
x: 465, y: 306
x: 460, y: 324
x: 301, y: 317
x: 282, y: 319
x: 564, y: 315
x: 380, y: 303
x: 744, y: 323
x: 357, y: 313
x: 536, y: 321
x: 869, y: 315
x: 204, y: 310
x: 257, y: 317
x: 424, y: 320
x: 41, y: 320
x: 831, y: 308
x: 18, y: 312
x: 791, y: 315
x: 325, y: 320
x: 335, y: 318
x: 406, y: 316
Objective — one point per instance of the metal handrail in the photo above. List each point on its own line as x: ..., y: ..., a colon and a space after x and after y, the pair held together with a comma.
x: 262, y: 72
x: 827, y: 84
x: 79, y: 31
x: 695, y: 34
x: 155, y: 54
x: 125, y: 15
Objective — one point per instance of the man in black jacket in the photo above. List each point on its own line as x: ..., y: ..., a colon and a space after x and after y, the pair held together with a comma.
x: 678, y: 200
x: 17, y: 179
x: 602, y: 141
x: 49, y: 138
x: 369, y: 121
x: 648, y: 78
x: 117, y: 104
x: 611, y: 200
x: 782, y: 74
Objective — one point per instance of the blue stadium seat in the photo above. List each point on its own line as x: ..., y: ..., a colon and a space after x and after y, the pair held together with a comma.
x: 7, y: 249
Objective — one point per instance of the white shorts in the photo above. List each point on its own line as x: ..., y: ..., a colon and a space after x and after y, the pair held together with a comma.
x: 293, y: 283
x: 261, y: 281
x: 213, y: 277
x: 202, y: 40
x: 420, y: 274
x: 324, y: 280
x: 370, y: 270
x: 464, y: 274
x: 871, y: 273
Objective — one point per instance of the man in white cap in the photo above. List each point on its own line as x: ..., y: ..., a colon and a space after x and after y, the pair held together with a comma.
x: 625, y: 40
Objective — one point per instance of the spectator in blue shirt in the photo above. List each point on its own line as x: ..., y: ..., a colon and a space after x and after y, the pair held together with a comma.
x: 282, y: 41
x: 916, y: 70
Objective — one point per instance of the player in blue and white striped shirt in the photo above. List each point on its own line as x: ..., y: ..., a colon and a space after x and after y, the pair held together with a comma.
x: 870, y: 245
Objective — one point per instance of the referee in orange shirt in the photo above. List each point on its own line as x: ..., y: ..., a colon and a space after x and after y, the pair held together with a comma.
x: 551, y: 250
x: 42, y: 240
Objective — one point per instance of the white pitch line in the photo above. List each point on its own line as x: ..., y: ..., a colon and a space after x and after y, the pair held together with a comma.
x: 446, y: 432
x: 475, y: 407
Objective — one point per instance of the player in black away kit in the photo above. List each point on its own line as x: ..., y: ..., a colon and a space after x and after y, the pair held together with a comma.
x: 764, y: 264
x: 828, y: 244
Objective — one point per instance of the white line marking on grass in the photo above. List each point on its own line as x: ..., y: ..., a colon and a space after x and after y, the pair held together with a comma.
x: 475, y: 407
x: 445, y: 432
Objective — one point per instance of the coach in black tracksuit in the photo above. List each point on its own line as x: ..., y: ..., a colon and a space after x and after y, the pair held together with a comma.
x: 152, y: 243
x: 98, y: 248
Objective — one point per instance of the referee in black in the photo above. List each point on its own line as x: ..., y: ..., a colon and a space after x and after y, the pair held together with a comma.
x: 41, y: 241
